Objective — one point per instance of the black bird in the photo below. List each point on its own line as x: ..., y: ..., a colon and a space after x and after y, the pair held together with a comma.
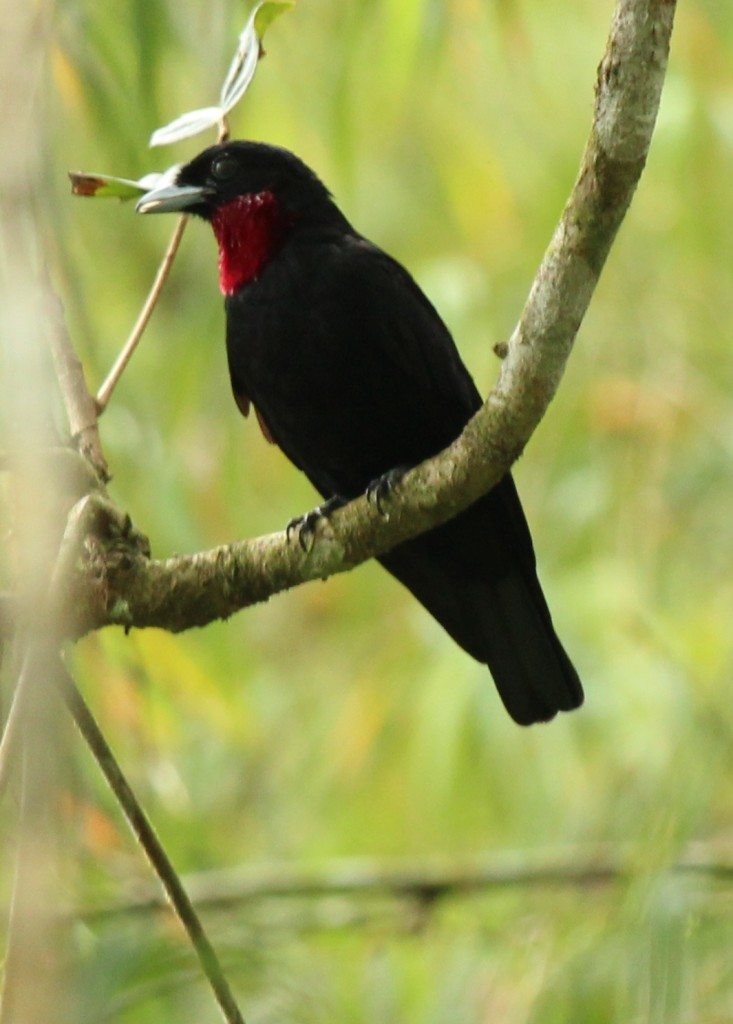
x: 353, y: 375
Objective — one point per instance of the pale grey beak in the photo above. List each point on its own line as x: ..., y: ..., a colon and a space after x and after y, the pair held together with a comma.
x: 171, y: 198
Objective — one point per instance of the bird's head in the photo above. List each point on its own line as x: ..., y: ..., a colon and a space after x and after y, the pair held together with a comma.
x: 255, y: 196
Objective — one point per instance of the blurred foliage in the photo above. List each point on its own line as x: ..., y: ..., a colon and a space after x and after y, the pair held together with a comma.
x: 339, y: 719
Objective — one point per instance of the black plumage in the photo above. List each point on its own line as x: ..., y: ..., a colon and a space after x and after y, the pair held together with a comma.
x: 352, y: 373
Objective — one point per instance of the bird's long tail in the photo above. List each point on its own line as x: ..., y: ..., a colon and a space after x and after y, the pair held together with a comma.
x: 476, y: 575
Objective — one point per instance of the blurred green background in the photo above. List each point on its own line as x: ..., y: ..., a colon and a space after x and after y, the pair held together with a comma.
x: 339, y: 720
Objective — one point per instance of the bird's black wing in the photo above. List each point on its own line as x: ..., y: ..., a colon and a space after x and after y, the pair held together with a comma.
x: 405, y: 381
x: 348, y: 363
x: 357, y: 374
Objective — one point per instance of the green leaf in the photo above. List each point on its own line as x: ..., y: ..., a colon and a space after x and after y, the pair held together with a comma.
x: 102, y: 186
x: 266, y: 13
x: 106, y: 186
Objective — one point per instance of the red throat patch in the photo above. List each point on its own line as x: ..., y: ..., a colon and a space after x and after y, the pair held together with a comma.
x: 249, y: 231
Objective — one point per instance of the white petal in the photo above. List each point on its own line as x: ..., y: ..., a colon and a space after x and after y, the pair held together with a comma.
x: 188, y: 124
x: 243, y: 66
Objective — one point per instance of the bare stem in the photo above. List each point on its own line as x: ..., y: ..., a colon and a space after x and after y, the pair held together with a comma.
x: 429, y: 878
x: 36, y: 933
x: 80, y: 406
x: 51, y: 626
x: 148, y: 840
x: 105, y: 392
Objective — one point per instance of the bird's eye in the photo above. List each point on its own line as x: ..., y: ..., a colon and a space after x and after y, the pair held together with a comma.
x: 224, y: 167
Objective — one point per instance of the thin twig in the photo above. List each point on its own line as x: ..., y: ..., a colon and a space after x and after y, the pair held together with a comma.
x: 51, y: 626
x: 65, y: 468
x: 105, y: 392
x: 152, y: 846
x: 80, y: 407
x: 35, y: 930
x: 427, y: 879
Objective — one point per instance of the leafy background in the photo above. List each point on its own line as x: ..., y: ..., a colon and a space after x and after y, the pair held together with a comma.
x: 338, y: 720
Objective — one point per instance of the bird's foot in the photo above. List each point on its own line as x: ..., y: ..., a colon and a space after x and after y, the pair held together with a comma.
x: 306, y: 525
x: 380, y: 490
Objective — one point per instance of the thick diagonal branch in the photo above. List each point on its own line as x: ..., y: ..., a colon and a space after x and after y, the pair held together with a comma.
x: 193, y: 590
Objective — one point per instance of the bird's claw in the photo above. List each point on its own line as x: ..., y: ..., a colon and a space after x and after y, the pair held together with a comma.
x: 307, y: 524
x: 305, y: 527
x: 380, y: 490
